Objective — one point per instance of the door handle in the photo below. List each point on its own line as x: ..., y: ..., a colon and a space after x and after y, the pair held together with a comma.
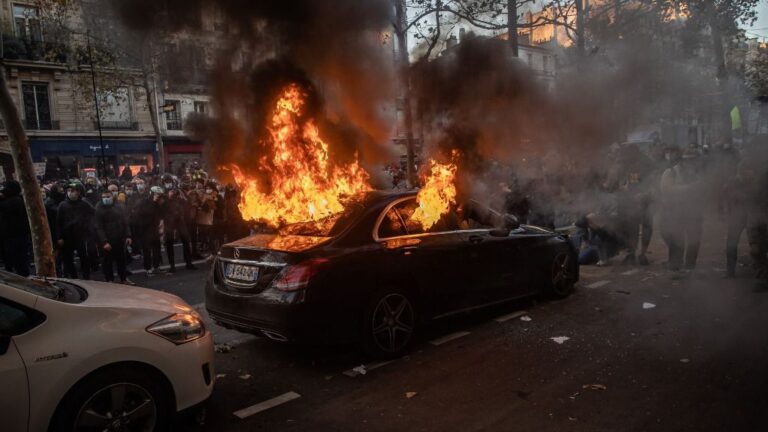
x: 475, y: 239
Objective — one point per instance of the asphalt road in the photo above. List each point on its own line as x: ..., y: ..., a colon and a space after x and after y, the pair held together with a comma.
x: 645, y: 350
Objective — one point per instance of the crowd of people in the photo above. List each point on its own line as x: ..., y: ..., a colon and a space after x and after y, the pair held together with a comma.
x: 612, y: 207
x: 110, y: 222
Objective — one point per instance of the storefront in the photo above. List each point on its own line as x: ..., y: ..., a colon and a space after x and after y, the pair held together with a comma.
x: 66, y: 158
x: 181, y: 152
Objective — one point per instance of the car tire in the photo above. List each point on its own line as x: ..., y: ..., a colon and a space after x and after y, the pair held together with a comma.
x: 561, y: 280
x: 390, y: 323
x: 124, y: 395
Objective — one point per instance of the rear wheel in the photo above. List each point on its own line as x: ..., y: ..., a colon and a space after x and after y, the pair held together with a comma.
x: 125, y: 399
x: 390, y: 325
x: 562, y: 279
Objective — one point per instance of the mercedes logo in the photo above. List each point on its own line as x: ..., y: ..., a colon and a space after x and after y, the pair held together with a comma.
x: 237, y: 253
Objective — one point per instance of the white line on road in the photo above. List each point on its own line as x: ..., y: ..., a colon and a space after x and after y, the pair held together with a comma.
x: 267, y: 404
x: 598, y: 284
x: 630, y: 272
x: 448, y: 338
x: 362, y: 370
x: 511, y: 316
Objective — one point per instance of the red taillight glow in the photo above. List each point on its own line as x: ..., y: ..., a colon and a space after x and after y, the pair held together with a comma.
x: 297, y: 277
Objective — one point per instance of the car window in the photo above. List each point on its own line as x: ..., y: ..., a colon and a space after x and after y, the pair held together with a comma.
x: 391, y: 225
x: 449, y: 221
x: 16, y: 319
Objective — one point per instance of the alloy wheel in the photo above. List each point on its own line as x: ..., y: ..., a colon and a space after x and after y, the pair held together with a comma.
x: 393, y: 323
x: 122, y: 407
x: 561, y: 276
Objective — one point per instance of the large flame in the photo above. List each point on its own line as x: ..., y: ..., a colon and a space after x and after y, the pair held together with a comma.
x: 438, y: 193
x: 303, y: 184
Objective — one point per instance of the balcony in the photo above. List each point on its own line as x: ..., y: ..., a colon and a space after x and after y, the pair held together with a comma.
x: 22, y: 49
x: 117, y: 125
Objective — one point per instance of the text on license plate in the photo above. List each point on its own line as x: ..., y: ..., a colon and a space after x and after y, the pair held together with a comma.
x: 241, y: 272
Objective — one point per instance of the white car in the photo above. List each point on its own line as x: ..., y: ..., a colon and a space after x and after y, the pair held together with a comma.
x: 82, y: 355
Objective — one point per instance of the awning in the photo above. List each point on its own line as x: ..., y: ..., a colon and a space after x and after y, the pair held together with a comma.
x: 88, y: 147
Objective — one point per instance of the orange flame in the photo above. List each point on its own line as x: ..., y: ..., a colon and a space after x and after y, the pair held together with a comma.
x: 438, y: 194
x: 304, y: 184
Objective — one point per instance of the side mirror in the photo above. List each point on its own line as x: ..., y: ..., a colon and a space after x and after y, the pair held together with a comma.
x: 5, y: 342
x: 511, y: 222
x: 499, y: 232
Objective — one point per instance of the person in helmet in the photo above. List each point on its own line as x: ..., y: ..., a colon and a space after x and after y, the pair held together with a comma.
x: 74, y: 223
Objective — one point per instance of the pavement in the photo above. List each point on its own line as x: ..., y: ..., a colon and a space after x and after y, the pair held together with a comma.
x: 634, y: 349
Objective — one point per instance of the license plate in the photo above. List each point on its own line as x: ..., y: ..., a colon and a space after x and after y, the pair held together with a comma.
x: 241, y: 272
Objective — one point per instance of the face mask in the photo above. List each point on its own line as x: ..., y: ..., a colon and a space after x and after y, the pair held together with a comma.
x: 107, y: 201
x: 74, y: 195
x: 208, y: 191
x: 129, y: 192
x: 169, y: 186
x: 114, y: 194
x: 141, y: 187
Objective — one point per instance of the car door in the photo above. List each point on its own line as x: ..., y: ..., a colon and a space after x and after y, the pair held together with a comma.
x: 14, y: 405
x: 433, y: 259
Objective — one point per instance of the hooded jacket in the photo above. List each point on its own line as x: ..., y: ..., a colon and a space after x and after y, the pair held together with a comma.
x: 74, y: 219
x: 111, y: 224
x: 13, y: 212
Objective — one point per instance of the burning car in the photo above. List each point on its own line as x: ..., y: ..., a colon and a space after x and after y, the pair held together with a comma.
x: 372, y: 273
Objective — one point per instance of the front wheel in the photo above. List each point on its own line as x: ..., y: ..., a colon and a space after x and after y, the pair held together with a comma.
x: 115, y: 400
x: 562, y: 279
x: 390, y: 325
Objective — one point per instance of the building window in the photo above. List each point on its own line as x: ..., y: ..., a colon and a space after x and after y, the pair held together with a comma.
x: 201, y: 107
x: 37, y: 109
x: 173, y: 117
x: 27, y: 22
x: 115, y: 109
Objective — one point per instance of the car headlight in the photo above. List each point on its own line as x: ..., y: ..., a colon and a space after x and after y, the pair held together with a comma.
x: 179, y: 328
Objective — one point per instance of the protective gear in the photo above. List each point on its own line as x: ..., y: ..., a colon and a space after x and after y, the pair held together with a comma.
x: 141, y: 187
x: 129, y: 192
x: 157, y: 190
x: 73, y: 195
x: 108, y: 201
x: 168, y: 186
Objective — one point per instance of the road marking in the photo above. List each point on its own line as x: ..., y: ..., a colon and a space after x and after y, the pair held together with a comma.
x: 630, y: 272
x: 357, y: 371
x: 267, y: 404
x: 511, y: 316
x: 448, y: 338
x: 598, y: 284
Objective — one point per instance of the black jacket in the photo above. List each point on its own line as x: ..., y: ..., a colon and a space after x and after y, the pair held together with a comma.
x: 13, y: 215
x: 111, y: 224
x: 74, y: 219
x: 146, y: 214
x: 174, y: 214
x: 51, y: 210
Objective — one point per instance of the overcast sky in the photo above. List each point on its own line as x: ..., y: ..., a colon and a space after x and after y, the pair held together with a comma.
x: 760, y: 28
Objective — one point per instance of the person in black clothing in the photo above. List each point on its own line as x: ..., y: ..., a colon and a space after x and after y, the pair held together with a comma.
x: 146, y: 215
x: 174, y: 211
x: 55, y: 197
x: 114, y: 235
x: 16, y: 229
x: 74, y: 223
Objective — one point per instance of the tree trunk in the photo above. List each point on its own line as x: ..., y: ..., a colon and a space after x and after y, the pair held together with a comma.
x: 512, y: 27
x: 405, y: 77
x: 42, y: 245
x: 580, y: 44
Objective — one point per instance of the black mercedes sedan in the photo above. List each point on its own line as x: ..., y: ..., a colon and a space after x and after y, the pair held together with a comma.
x: 372, y: 275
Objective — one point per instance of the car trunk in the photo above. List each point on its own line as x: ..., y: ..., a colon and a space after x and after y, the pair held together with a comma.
x: 250, y: 265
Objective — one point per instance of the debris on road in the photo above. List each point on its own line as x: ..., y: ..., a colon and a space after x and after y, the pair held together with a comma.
x: 525, y: 318
x: 594, y: 387
x: 623, y: 292
x: 410, y: 395
x: 647, y: 305
x: 684, y: 360
x: 360, y: 370
x: 221, y: 376
x: 222, y: 348
x: 560, y: 339
x: 245, y: 376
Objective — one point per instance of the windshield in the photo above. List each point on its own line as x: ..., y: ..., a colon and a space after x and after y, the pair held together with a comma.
x: 329, y: 226
x: 48, y: 288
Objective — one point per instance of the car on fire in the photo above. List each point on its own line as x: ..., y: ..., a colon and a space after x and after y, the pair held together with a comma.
x: 373, y: 275
x: 84, y: 355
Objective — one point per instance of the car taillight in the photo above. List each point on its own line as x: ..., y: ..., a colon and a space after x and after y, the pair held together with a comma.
x: 297, y: 277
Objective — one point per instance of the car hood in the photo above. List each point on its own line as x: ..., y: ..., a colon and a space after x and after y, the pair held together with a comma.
x: 281, y: 243
x: 108, y: 295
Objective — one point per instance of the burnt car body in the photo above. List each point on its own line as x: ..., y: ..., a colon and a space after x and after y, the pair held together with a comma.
x: 372, y: 275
